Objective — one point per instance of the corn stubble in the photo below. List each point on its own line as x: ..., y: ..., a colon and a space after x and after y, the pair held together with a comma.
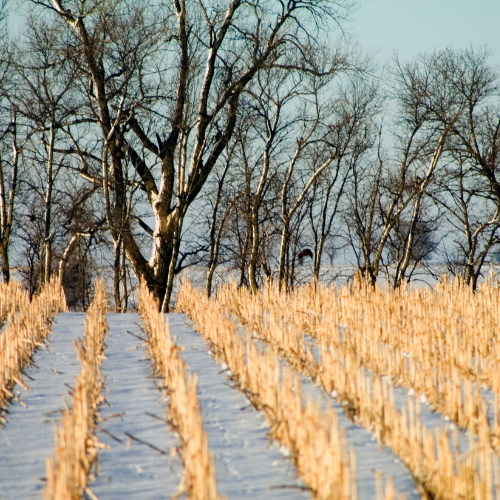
x: 441, y: 343
x: 317, y: 445
x: 184, y: 414
x: 76, y: 445
x: 28, y: 326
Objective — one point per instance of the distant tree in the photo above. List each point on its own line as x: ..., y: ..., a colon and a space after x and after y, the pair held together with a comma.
x: 393, y: 189
x: 469, y: 189
x: 472, y: 213
x: 356, y: 108
x: 214, y: 53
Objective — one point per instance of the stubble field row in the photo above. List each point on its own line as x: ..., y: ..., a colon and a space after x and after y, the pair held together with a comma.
x: 416, y: 369
x: 360, y: 342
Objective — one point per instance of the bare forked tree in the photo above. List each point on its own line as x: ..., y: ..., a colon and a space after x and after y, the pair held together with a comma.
x: 171, y: 122
x: 472, y: 212
x: 358, y: 104
x: 392, y: 191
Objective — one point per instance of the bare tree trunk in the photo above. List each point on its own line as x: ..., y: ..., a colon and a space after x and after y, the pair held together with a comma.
x: 214, y: 255
x: 48, y: 204
x: 117, y: 274
x: 7, y: 206
x: 252, y: 266
x: 124, y: 284
x: 176, y: 238
x: 216, y: 230
x: 318, y: 251
x: 4, y: 255
x: 282, y: 278
x: 48, y: 259
x: 212, y: 261
x: 292, y: 264
x: 67, y: 253
x: 257, y: 202
x: 243, y: 263
x: 403, y: 266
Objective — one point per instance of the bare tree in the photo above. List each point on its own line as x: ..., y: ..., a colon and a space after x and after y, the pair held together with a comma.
x: 215, y: 52
x: 468, y: 187
x: 9, y: 171
x: 392, y: 191
x: 356, y: 108
x: 330, y: 127
x: 270, y: 97
x: 471, y: 210
x: 13, y: 138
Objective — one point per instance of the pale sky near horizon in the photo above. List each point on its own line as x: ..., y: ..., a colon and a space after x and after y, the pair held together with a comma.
x: 413, y: 26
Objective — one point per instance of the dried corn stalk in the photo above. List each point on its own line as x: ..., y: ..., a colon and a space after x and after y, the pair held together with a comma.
x: 76, y: 443
x: 184, y: 412
x: 364, y: 342
x: 317, y: 445
x: 28, y: 327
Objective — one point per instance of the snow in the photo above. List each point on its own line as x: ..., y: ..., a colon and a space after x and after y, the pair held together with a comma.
x: 127, y: 470
x: 236, y: 450
x: 131, y: 469
x: 369, y: 457
x: 246, y: 465
x: 28, y: 437
x: 430, y: 418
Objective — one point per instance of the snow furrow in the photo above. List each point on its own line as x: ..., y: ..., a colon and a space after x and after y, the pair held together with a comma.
x: 223, y: 440
x: 138, y: 463
x: 28, y: 437
x: 247, y: 466
x: 430, y: 417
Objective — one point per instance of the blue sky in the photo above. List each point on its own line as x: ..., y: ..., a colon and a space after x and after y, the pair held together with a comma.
x: 413, y: 26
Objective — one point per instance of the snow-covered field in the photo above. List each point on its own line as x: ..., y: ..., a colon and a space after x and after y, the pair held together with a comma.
x: 28, y: 438
x: 139, y: 460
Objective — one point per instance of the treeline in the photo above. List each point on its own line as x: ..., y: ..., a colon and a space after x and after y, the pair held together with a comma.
x: 148, y: 137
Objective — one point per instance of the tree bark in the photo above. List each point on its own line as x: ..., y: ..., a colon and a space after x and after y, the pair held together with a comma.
x: 4, y: 255
x: 7, y: 205
x: 117, y: 274
x: 67, y: 253
x: 48, y: 203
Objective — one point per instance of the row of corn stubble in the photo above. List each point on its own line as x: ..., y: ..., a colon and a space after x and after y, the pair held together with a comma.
x: 27, y: 329
x: 317, y: 444
x: 440, y: 343
x: 69, y: 472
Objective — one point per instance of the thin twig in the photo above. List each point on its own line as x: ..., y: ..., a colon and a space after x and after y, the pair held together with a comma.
x: 145, y: 442
x: 112, y: 436
x: 136, y: 336
x: 154, y: 416
x: 290, y: 486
